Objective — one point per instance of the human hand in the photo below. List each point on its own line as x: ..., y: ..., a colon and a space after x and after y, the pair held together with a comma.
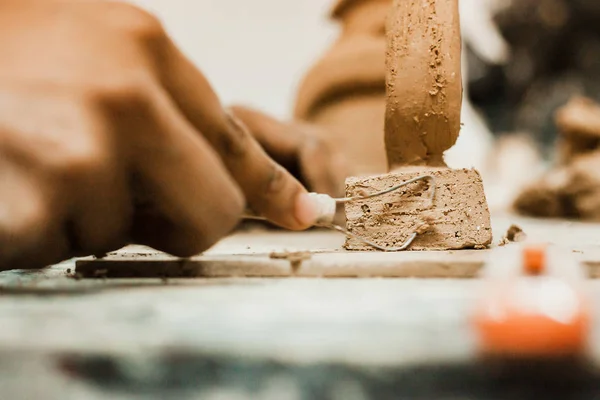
x: 300, y: 148
x: 109, y: 135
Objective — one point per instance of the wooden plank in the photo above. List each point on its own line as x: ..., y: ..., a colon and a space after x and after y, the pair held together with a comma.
x: 249, y: 254
x: 466, y: 264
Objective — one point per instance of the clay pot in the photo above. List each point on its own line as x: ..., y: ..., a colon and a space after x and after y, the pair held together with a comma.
x: 344, y: 92
x: 362, y: 16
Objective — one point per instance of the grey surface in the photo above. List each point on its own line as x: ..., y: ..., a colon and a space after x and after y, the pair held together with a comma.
x: 256, y: 339
x: 357, y: 321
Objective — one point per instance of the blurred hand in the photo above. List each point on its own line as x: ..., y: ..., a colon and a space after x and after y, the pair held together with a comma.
x: 300, y: 149
x: 109, y: 135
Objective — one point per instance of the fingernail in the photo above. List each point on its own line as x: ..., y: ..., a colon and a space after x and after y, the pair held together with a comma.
x: 306, y: 210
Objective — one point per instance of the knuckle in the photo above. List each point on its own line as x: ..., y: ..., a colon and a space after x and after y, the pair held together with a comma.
x: 23, y: 217
x: 22, y: 225
x: 74, y: 139
x: 86, y: 150
x: 234, y: 140
x: 209, y: 234
x: 81, y: 155
x: 276, y: 180
x: 137, y: 22
x: 123, y: 92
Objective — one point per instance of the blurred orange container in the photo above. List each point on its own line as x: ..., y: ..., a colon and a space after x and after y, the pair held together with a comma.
x: 533, y: 305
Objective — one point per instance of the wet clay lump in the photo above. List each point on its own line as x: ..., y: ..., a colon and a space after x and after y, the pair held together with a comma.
x: 424, y: 88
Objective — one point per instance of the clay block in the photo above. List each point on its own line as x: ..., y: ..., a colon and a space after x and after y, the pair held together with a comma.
x: 458, y: 216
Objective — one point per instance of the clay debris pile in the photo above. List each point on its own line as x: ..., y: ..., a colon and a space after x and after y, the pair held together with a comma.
x: 572, y: 188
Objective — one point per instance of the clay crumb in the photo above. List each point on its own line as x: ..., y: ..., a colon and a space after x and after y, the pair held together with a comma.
x: 514, y: 234
x: 424, y: 225
x: 77, y: 276
x: 295, y: 258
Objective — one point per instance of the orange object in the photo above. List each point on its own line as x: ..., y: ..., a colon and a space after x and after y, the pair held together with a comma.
x: 534, y: 260
x: 540, y: 312
x: 532, y: 335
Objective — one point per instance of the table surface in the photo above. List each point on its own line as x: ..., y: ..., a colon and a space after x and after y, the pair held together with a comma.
x: 265, y: 326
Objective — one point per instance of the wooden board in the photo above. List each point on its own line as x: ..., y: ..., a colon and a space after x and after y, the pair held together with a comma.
x: 262, y: 254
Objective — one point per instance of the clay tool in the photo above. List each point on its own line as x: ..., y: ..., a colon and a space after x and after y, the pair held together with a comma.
x: 327, y: 209
x: 533, y: 306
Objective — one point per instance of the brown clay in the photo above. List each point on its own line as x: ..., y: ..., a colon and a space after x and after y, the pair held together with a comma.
x: 340, y: 7
x: 295, y: 258
x: 353, y: 65
x: 344, y: 94
x: 572, y: 189
x: 569, y: 191
x: 454, y: 221
x: 579, y: 125
x: 362, y: 16
x: 422, y: 120
x: 424, y: 88
x: 514, y: 234
x: 354, y: 124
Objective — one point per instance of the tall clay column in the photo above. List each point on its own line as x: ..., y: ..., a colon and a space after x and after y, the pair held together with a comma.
x: 422, y: 121
x: 424, y: 86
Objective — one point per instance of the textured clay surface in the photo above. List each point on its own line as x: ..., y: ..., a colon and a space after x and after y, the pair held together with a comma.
x: 424, y: 88
x: 458, y: 218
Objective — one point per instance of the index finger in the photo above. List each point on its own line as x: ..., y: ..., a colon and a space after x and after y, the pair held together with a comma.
x: 270, y: 190
x: 300, y: 147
